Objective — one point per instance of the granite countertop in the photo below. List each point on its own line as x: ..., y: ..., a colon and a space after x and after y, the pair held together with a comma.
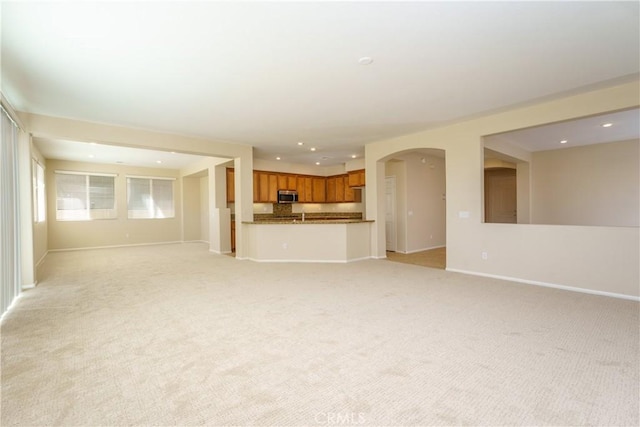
x: 307, y: 221
x: 310, y: 218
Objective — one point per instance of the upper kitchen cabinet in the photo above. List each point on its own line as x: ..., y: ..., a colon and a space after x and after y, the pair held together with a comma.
x: 256, y: 186
x: 292, y: 182
x: 331, y: 189
x: 282, y: 182
x: 349, y: 193
x: 356, y: 178
x: 319, y: 189
x: 340, y: 196
x: 311, y: 189
x: 303, y: 186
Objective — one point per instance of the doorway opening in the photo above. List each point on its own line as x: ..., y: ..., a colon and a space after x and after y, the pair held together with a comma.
x: 500, y: 196
x: 415, y: 207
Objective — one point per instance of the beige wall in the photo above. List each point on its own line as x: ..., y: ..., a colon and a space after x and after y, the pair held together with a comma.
x: 426, y: 189
x: 420, y: 201
x: 593, y: 259
x: 111, y: 232
x: 204, y: 208
x: 191, y: 208
x: 587, y: 185
x: 241, y: 155
x: 309, y: 242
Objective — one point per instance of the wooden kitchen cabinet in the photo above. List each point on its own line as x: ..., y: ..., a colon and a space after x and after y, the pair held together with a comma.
x: 256, y: 187
x: 302, y: 196
x: 272, y: 196
x: 319, y: 189
x: 340, y: 188
x: 308, y: 188
x: 231, y: 189
x: 357, y: 178
x: 282, y: 182
x: 292, y: 182
x: 263, y: 178
x: 311, y: 189
x: 331, y: 189
x: 349, y: 193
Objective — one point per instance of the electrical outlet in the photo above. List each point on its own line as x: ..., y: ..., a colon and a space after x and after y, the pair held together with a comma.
x: 485, y: 255
x: 285, y: 246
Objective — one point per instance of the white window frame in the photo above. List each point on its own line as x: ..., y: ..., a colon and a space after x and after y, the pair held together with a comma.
x: 152, y: 210
x: 86, y: 213
x: 39, y: 192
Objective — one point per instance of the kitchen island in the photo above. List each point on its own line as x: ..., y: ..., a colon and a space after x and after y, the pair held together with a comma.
x: 311, y: 240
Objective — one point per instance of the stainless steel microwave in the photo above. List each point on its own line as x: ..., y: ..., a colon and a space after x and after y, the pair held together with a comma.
x: 287, y: 196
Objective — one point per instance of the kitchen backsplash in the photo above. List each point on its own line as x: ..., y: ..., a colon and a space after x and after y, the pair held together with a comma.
x: 298, y: 208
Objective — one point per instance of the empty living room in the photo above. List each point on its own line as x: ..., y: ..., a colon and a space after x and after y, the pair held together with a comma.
x: 320, y: 213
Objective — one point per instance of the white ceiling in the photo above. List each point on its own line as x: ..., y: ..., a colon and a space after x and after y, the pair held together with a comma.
x: 625, y: 125
x: 272, y: 74
x: 110, y: 154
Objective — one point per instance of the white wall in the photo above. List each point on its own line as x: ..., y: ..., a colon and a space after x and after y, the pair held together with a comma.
x: 587, y: 185
x: 593, y: 259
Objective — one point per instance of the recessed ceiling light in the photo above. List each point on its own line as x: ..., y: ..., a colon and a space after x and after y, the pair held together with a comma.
x: 173, y: 152
x: 158, y: 161
x: 353, y: 156
x: 300, y: 143
x: 312, y: 148
x: 365, y: 60
x: 564, y: 141
x: 91, y: 156
x: 607, y: 125
x: 318, y: 163
x: 93, y: 143
x: 277, y: 158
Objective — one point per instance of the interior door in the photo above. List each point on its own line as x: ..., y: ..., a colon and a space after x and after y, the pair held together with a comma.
x: 390, y: 212
x: 500, y: 195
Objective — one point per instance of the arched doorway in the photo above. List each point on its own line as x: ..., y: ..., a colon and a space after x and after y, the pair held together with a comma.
x: 415, y: 207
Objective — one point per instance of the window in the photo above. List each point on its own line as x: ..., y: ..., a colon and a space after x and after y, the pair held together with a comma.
x: 150, y: 197
x: 39, y: 207
x: 82, y: 197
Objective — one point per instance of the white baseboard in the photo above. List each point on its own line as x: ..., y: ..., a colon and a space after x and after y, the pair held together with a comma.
x: 213, y: 251
x: 28, y: 286
x: 41, y: 259
x: 548, y: 285
x: 114, y: 246
x: 424, y: 249
x: 314, y: 261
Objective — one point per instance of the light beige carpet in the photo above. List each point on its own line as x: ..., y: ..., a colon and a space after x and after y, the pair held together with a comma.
x: 173, y: 335
x: 433, y: 258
